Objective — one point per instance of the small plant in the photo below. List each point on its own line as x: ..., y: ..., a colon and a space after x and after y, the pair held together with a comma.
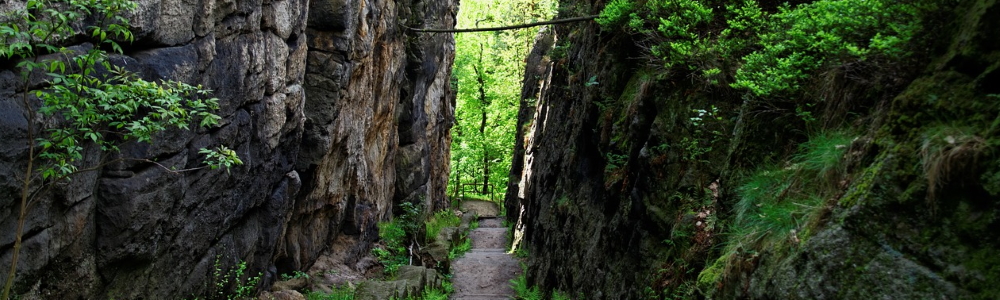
x: 440, y: 220
x: 222, y: 279
x: 777, y: 204
x: 558, y: 295
x: 395, y: 236
x: 463, y: 246
x: 295, y: 275
x: 474, y: 223
x: 521, y: 252
x: 523, y: 290
x: 947, y: 151
x: 615, y: 13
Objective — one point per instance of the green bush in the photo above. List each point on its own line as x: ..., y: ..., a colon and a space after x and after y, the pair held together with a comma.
x: 616, y: 12
x: 797, y: 41
x: 440, y: 220
x: 395, y: 236
x: 765, y: 53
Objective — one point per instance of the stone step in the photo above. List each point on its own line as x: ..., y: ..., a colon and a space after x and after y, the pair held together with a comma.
x: 480, y: 208
x: 489, y: 238
x: 484, y: 273
x: 491, y: 223
x: 488, y: 250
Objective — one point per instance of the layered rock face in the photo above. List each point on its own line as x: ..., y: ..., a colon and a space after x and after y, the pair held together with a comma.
x: 379, y: 108
x: 334, y: 121
x: 618, y: 203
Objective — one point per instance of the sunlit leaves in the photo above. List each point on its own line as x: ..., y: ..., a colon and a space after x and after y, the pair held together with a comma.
x: 499, y: 57
x: 220, y: 157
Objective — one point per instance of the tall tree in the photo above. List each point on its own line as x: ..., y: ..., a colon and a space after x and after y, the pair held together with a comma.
x: 488, y: 71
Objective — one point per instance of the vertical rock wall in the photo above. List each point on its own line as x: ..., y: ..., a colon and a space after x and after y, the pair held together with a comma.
x: 333, y: 123
x: 618, y: 203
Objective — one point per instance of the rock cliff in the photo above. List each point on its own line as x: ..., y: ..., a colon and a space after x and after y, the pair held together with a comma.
x: 634, y: 184
x: 335, y: 109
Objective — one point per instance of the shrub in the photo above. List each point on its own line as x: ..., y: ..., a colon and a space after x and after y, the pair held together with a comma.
x: 395, y: 235
x: 797, y: 41
x: 441, y: 220
x: 765, y: 53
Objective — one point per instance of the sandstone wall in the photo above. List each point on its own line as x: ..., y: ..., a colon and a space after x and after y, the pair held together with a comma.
x: 334, y: 121
x: 379, y: 108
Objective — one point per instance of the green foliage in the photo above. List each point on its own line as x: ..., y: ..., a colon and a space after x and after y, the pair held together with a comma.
x: 463, y: 246
x: 438, y: 293
x: 465, y: 242
x: 773, y: 52
x: 711, y: 275
x: 523, y: 290
x: 440, y: 220
x: 87, y: 105
x: 474, y: 224
x: 616, y: 12
x: 820, y: 156
x: 345, y: 292
x: 798, y: 41
x: 558, y: 295
x: 221, y: 157
x: 521, y: 252
x: 395, y: 235
x: 243, y: 288
x: 294, y: 275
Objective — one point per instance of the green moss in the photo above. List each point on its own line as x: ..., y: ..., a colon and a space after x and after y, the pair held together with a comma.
x: 862, y: 186
x: 710, y: 277
x: 985, y: 264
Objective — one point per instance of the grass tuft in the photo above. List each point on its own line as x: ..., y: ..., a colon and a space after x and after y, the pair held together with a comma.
x: 947, y: 149
x: 777, y: 204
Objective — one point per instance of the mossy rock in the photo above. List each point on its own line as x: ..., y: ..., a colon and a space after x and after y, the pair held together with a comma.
x: 410, y: 282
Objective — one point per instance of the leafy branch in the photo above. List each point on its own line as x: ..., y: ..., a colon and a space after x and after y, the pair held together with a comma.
x: 85, y: 99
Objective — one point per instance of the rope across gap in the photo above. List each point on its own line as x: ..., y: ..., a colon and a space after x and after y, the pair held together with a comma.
x: 551, y: 22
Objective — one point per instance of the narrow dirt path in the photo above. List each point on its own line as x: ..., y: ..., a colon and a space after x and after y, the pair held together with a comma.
x: 485, y: 271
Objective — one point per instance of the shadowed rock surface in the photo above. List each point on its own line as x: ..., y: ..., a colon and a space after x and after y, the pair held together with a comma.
x: 617, y: 202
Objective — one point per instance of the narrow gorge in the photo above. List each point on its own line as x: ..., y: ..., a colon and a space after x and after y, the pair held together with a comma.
x: 659, y: 149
